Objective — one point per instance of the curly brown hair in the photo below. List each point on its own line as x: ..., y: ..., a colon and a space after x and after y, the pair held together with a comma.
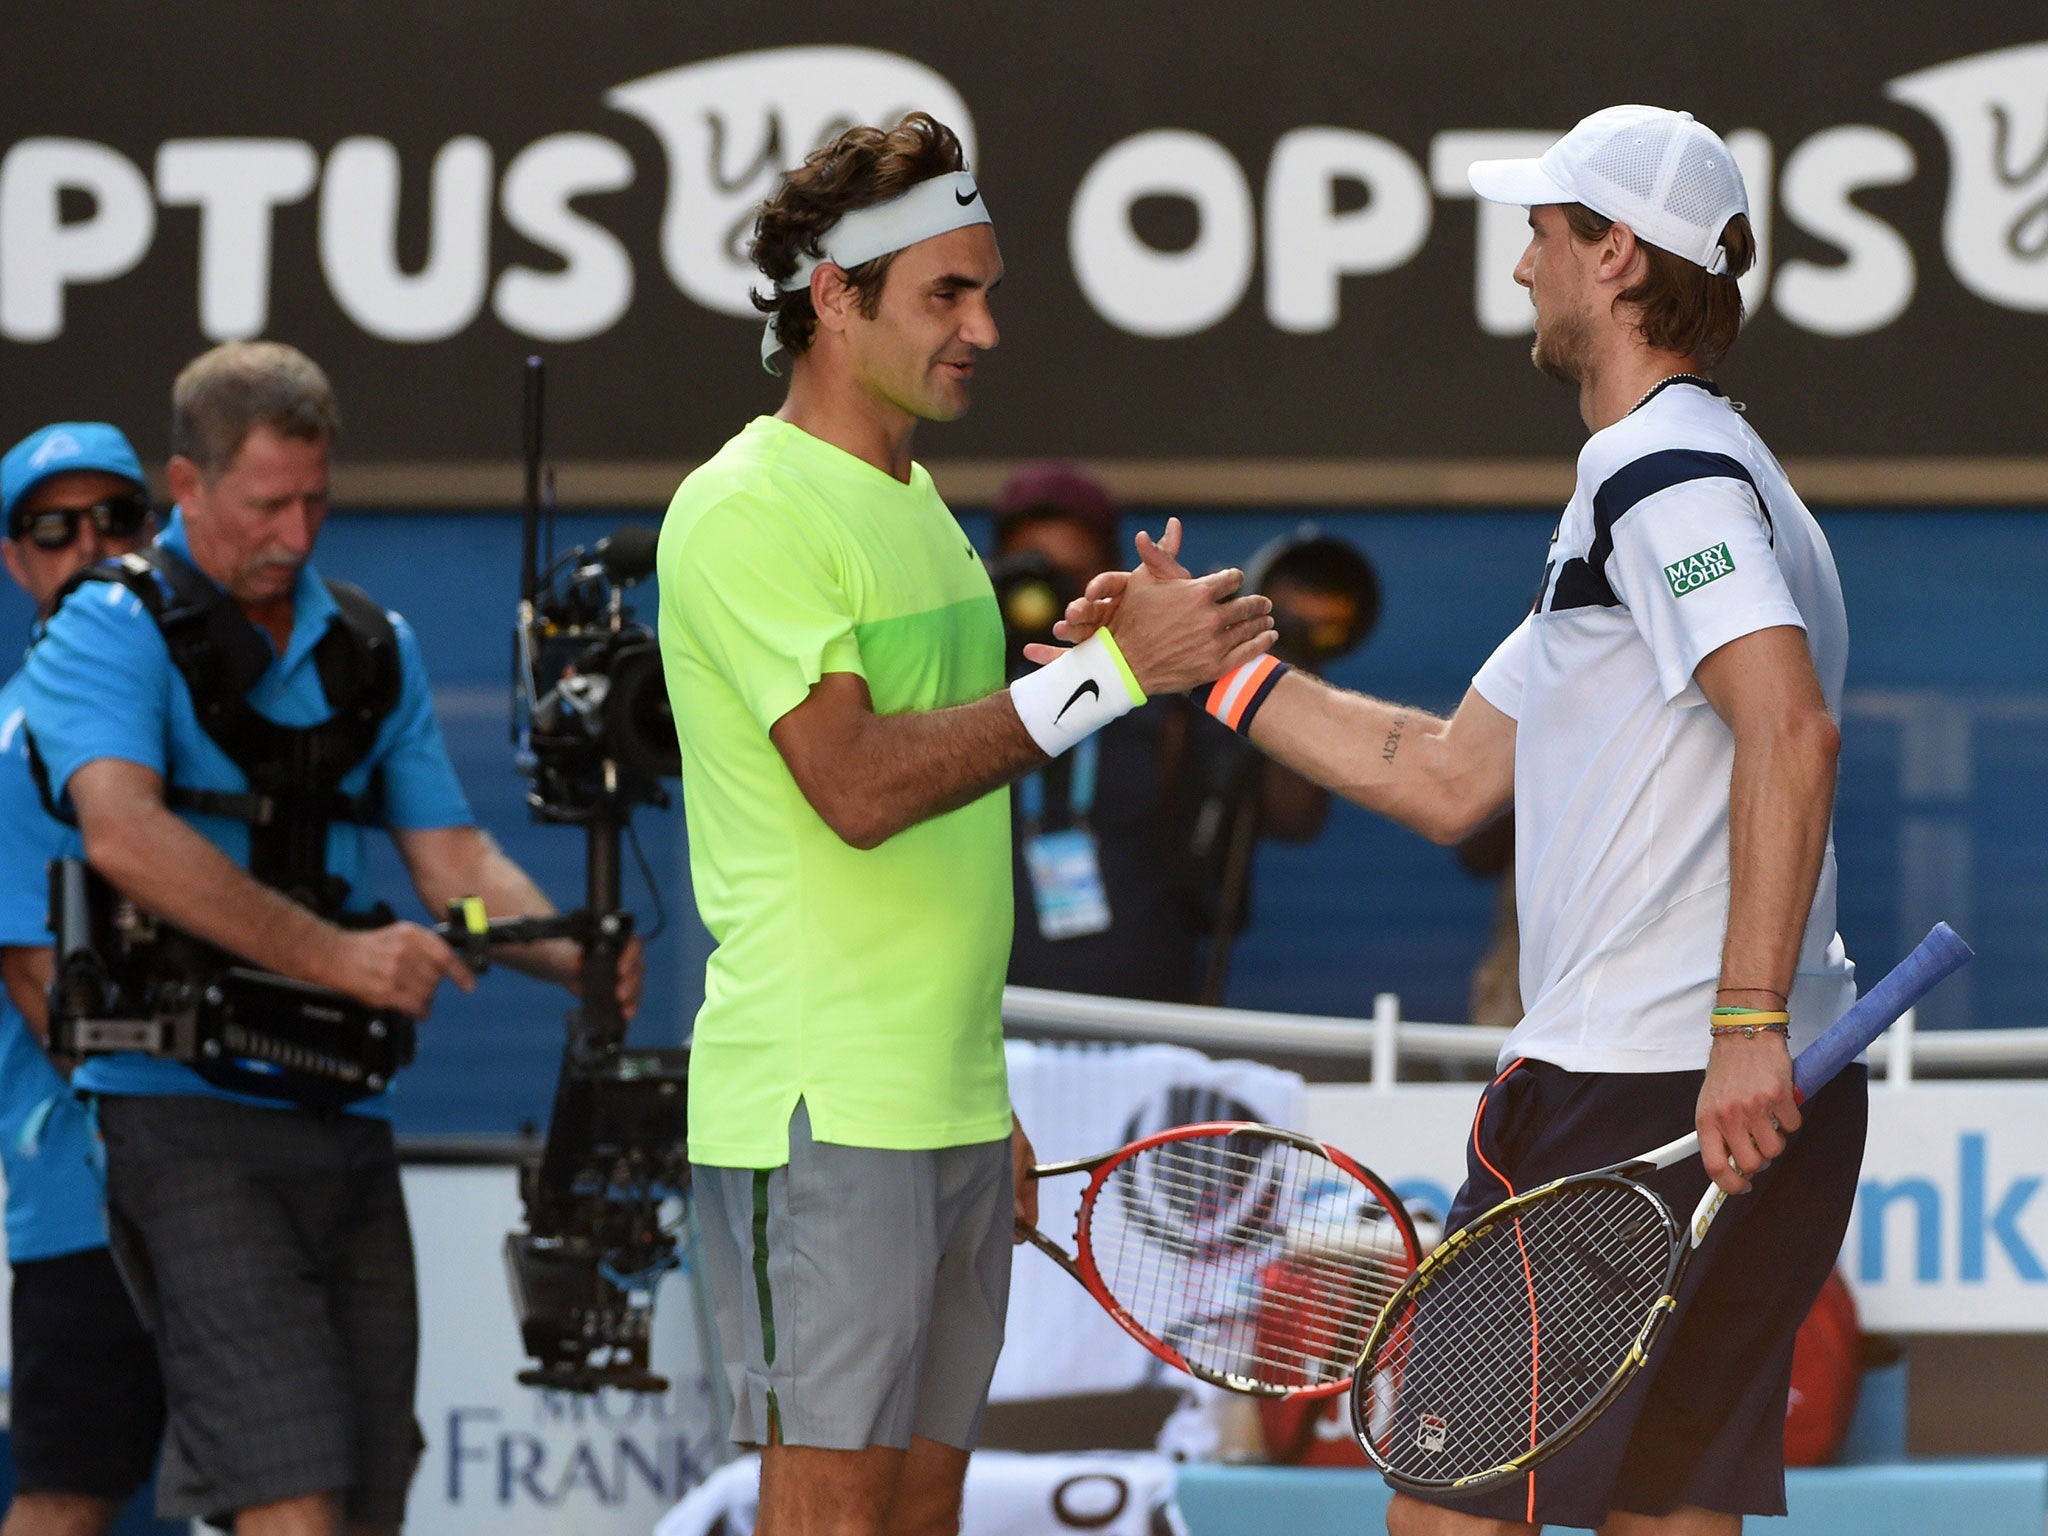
x: 1681, y: 307
x: 861, y: 167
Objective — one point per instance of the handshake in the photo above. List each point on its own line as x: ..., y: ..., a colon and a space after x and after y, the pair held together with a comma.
x: 1173, y: 630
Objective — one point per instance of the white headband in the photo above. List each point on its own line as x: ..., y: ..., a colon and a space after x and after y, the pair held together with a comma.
x: 935, y: 207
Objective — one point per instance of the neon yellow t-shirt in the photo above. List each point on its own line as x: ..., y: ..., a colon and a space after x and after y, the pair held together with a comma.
x: 868, y: 984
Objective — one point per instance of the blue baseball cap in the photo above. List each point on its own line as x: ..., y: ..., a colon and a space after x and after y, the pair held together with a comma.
x: 58, y: 449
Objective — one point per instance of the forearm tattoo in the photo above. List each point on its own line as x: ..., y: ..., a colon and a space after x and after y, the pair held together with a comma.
x: 1393, y: 741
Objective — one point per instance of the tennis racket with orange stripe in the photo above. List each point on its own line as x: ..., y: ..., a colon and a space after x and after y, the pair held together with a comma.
x: 1250, y: 1257
x: 1522, y: 1328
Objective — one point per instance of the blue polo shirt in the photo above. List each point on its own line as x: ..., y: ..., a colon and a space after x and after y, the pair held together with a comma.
x: 100, y: 684
x: 53, y: 1195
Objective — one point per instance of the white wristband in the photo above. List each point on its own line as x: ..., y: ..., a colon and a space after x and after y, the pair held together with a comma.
x: 1076, y: 695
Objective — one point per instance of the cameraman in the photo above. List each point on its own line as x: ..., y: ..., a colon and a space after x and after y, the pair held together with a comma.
x: 269, y: 1242
x: 1120, y: 847
x: 86, y: 1406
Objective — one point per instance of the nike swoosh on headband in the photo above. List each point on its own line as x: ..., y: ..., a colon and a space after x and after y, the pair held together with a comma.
x: 859, y: 237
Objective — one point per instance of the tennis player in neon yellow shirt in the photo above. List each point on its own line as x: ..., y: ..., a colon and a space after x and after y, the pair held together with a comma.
x: 834, y: 656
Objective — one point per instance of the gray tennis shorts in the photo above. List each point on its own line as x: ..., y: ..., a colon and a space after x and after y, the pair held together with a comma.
x: 270, y: 1252
x: 859, y: 1293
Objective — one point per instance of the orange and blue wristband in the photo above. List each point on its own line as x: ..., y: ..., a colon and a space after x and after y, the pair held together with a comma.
x: 1237, y: 696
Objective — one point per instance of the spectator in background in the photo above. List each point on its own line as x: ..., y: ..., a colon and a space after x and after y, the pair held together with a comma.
x: 87, y: 1404
x: 1123, y: 847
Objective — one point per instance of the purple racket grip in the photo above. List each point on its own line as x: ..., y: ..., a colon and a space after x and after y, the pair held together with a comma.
x: 1939, y: 954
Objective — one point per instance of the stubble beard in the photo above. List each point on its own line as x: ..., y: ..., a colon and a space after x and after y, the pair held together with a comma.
x: 1561, y: 348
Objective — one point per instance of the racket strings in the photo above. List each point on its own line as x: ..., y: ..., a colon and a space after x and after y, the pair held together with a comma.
x: 1523, y: 1327
x: 1253, y: 1257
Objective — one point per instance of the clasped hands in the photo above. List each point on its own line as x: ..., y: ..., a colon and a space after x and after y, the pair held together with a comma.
x: 1175, y: 629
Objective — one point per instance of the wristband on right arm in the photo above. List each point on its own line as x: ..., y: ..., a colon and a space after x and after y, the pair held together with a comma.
x: 1238, y: 695
x: 1077, y: 694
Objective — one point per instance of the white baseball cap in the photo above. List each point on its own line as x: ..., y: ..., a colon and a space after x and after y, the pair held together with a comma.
x: 1667, y: 177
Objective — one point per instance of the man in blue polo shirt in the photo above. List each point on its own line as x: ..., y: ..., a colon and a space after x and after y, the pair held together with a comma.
x: 270, y: 1241
x: 85, y: 1399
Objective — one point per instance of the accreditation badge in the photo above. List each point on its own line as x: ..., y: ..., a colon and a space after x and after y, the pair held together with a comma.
x: 1066, y: 883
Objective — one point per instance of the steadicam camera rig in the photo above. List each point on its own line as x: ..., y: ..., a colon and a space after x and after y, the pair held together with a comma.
x: 593, y: 734
x: 125, y: 981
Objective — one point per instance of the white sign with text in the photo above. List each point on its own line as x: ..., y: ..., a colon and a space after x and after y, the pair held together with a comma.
x: 1950, y: 1230
x: 519, y: 1462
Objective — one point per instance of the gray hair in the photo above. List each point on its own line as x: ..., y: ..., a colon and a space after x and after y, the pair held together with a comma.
x: 225, y: 394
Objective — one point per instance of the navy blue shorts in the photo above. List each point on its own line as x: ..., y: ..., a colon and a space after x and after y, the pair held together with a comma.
x: 88, y: 1403
x: 1704, y: 1423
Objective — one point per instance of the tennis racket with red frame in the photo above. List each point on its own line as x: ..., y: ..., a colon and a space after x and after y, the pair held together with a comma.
x: 1524, y: 1326
x: 1250, y: 1257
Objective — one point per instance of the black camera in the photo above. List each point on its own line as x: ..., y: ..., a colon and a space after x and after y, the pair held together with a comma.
x: 590, y: 711
x: 1325, y: 593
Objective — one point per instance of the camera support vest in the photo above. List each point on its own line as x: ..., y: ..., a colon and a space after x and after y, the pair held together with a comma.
x: 294, y: 773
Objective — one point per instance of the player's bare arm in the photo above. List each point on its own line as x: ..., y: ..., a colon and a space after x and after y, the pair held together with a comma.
x: 1441, y: 778
x: 1023, y: 1157
x: 870, y: 776
x: 1781, y: 796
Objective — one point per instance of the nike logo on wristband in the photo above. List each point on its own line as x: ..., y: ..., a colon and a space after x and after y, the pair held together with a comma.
x: 1089, y: 687
x: 970, y: 197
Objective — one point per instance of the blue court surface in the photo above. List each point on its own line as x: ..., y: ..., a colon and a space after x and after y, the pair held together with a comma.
x: 1995, y: 1497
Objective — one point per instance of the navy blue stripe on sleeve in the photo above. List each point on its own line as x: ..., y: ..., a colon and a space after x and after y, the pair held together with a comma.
x: 1583, y: 583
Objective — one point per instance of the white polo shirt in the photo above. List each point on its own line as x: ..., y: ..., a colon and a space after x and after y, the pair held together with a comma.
x: 1683, y: 534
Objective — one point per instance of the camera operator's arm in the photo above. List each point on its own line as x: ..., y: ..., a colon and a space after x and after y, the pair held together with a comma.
x: 870, y: 776
x: 154, y: 858
x: 448, y: 863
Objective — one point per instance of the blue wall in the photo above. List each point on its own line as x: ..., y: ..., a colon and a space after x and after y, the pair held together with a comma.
x: 1941, y: 813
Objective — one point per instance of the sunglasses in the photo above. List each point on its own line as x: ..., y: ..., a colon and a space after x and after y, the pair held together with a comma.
x: 116, y: 517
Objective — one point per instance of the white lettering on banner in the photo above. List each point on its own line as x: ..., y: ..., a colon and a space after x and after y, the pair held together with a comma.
x: 730, y: 126
x: 359, y: 237
x: 41, y: 253
x: 1310, y: 246
x: 1950, y: 1229
x: 237, y: 185
x: 1501, y: 303
x: 1133, y: 285
x: 591, y: 292
x: 1754, y: 157
x: 1993, y: 110
x: 1872, y: 286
